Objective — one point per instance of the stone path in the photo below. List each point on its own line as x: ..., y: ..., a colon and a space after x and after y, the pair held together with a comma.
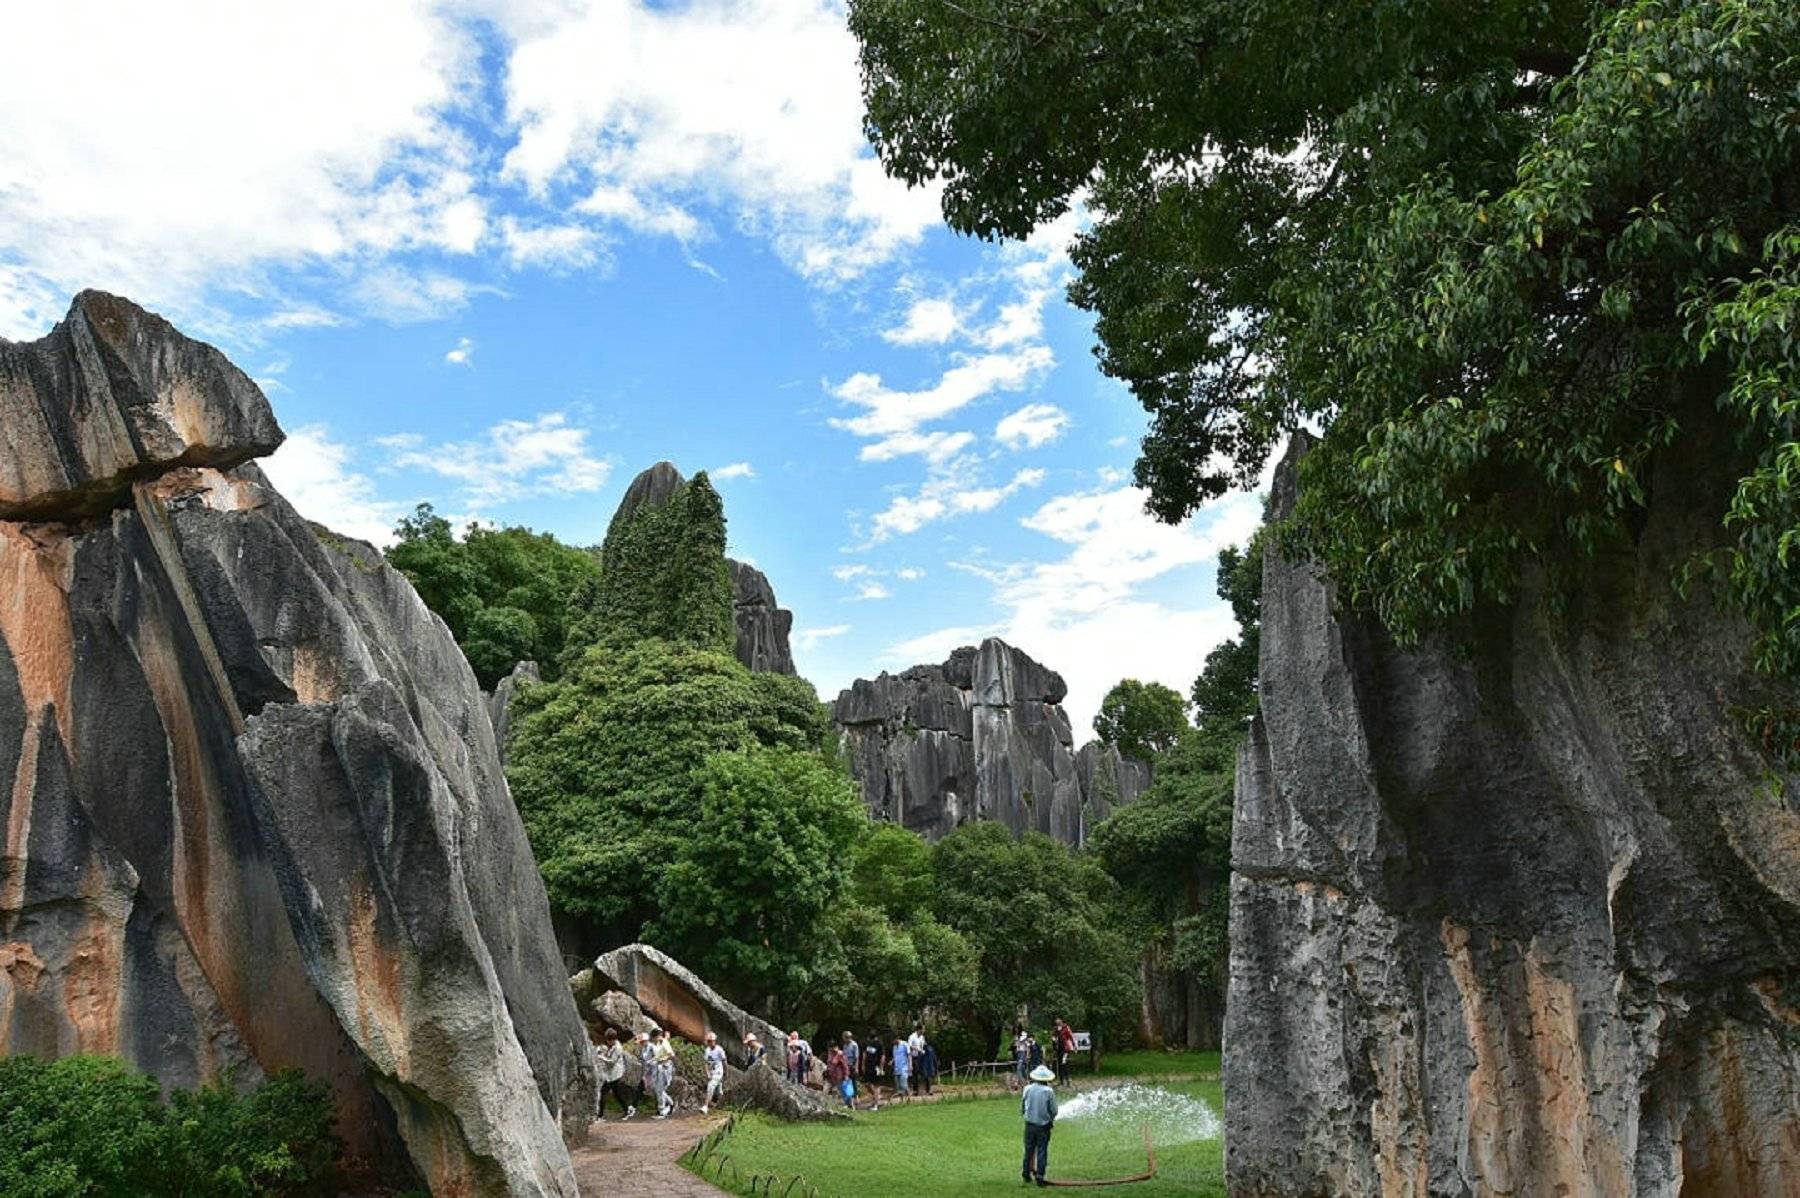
x: 638, y: 1157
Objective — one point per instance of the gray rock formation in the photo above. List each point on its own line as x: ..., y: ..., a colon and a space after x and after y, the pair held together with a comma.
x: 679, y: 1001
x: 1521, y: 919
x: 1108, y: 779
x: 762, y: 624
x: 253, y: 814
x: 499, y: 704
x: 981, y: 737
x: 761, y: 1088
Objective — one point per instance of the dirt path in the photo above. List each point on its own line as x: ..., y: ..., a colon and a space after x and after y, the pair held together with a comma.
x: 638, y: 1157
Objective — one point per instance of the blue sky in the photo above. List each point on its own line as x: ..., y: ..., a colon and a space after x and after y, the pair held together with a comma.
x: 501, y: 256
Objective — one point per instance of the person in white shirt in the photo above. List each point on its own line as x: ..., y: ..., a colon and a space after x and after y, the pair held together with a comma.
x: 662, y: 1071
x: 715, y: 1071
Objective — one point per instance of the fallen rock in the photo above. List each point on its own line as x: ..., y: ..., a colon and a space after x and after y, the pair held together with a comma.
x: 253, y: 813
x: 760, y: 1088
x: 683, y: 1004
x: 1516, y: 916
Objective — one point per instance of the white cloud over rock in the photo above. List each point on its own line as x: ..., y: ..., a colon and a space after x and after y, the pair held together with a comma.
x: 512, y: 460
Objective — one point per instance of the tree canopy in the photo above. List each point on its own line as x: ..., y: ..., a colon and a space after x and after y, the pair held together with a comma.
x: 606, y: 765
x: 1143, y: 719
x: 504, y: 592
x: 663, y: 575
x: 1505, y: 255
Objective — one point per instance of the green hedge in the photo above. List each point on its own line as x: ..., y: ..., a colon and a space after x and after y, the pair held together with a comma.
x: 88, y: 1127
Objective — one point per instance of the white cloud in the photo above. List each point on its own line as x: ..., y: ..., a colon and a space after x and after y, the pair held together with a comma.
x: 894, y: 419
x: 846, y: 573
x: 734, y: 470
x: 515, y: 459
x: 555, y: 246
x: 1085, y: 613
x: 909, y: 574
x: 462, y: 354
x: 871, y: 591
x: 750, y: 105
x: 942, y: 497
x: 808, y: 638
x: 314, y: 473
x: 928, y: 322
x: 1032, y: 426
x: 402, y: 296
x: 162, y: 150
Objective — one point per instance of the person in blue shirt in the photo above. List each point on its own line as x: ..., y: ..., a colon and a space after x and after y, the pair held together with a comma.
x: 1038, y: 1105
x: 902, y: 1068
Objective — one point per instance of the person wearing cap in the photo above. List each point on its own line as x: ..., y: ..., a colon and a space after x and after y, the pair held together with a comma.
x: 715, y: 1071
x: 753, y: 1049
x: 1038, y: 1105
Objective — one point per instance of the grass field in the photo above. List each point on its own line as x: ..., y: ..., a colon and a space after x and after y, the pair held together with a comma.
x: 963, y: 1149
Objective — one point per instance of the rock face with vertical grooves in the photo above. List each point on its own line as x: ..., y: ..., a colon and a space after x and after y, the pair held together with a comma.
x: 1519, y: 918
x: 981, y: 737
x: 762, y: 624
x: 253, y: 815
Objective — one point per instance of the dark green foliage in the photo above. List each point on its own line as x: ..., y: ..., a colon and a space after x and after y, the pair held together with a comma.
x: 505, y: 593
x: 88, y: 1127
x: 1143, y: 719
x: 892, y: 872
x: 1225, y: 693
x: 1044, y: 920
x: 604, y: 765
x: 1520, y: 261
x: 663, y: 574
x: 745, y: 896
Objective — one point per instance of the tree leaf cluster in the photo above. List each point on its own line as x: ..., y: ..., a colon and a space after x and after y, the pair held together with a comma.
x: 1141, y: 719
x: 1520, y: 262
x: 503, y: 592
x: 663, y: 575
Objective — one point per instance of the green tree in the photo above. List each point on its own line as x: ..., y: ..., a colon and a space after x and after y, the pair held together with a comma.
x: 746, y: 895
x: 1044, y: 921
x: 1144, y: 719
x: 892, y: 872
x: 1521, y: 262
x: 1225, y: 693
x: 606, y: 766
x: 504, y: 593
x: 663, y: 575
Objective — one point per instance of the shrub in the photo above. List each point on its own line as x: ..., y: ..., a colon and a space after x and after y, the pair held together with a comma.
x: 88, y: 1127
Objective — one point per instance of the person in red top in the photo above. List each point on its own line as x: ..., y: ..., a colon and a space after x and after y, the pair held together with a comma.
x: 1065, y: 1045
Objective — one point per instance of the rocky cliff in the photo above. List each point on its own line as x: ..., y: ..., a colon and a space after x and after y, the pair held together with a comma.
x: 254, y: 817
x: 1519, y: 917
x: 982, y: 736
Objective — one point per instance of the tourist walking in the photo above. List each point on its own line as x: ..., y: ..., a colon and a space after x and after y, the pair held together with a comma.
x: 609, y: 1061
x: 753, y: 1049
x: 662, y: 1071
x: 1035, y: 1054
x: 1021, y: 1053
x: 837, y: 1076
x: 1038, y: 1105
x: 714, y: 1057
x: 646, y: 1058
x: 1064, y: 1037
x: 852, y: 1062
x: 796, y: 1059
x: 902, y: 1068
x: 926, y: 1071
x: 871, y: 1069
x: 915, y: 1049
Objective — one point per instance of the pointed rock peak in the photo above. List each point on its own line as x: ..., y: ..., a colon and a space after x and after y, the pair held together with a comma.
x: 652, y: 488
x: 115, y: 395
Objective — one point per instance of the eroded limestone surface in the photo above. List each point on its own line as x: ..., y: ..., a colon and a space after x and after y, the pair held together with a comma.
x: 1521, y: 920
x: 253, y: 814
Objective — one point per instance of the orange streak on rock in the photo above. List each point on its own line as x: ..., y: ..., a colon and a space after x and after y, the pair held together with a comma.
x: 380, y: 989
x: 35, y: 564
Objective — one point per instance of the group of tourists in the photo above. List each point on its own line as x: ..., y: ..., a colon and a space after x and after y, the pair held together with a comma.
x: 909, y: 1064
x: 1028, y: 1054
x: 656, y: 1055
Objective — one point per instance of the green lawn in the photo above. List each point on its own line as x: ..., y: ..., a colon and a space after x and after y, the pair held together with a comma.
x: 962, y: 1149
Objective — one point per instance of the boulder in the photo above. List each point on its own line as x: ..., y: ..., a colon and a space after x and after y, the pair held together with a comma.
x: 761, y: 1088
x: 680, y: 1002
x: 254, y: 817
x: 982, y: 736
x: 111, y: 396
x: 1514, y: 915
